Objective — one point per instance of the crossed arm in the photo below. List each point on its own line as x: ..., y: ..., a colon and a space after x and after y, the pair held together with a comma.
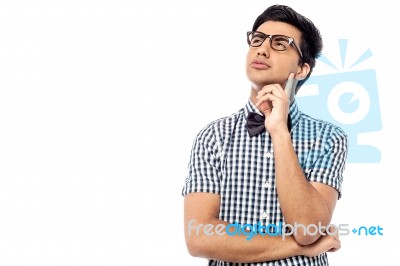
x: 301, y: 201
x: 204, y: 208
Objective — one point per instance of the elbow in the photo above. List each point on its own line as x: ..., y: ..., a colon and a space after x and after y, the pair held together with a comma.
x: 196, y: 248
x: 305, y: 240
x: 308, y: 233
x: 193, y: 249
x: 199, y: 244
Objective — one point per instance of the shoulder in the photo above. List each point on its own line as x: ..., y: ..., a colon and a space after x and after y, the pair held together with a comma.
x: 323, y: 129
x: 220, y: 127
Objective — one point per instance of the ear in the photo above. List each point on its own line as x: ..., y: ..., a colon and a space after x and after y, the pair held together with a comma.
x: 303, y: 71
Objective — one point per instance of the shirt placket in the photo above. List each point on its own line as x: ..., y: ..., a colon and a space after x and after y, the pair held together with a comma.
x: 267, y: 185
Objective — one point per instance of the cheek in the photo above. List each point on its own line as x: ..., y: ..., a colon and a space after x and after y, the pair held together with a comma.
x: 248, y: 60
x: 248, y: 57
x: 290, y: 68
x: 295, y: 68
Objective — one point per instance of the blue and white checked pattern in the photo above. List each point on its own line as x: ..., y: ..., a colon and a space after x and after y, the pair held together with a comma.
x: 225, y: 160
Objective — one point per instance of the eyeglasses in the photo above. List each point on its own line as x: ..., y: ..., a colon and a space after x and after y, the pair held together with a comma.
x: 277, y: 42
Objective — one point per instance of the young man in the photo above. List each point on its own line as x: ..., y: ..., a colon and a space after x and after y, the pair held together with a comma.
x: 267, y: 165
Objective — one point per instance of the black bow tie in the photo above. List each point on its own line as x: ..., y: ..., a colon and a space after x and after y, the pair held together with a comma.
x: 256, y: 123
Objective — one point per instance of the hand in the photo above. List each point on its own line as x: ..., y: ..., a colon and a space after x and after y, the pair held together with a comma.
x: 325, y: 243
x: 273, y: 102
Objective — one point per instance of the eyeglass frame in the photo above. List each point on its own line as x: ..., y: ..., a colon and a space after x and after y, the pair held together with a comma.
x: 270, y: 37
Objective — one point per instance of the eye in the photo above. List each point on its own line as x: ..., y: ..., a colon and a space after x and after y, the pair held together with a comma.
x: 280, y: 43
x: 257, y: 39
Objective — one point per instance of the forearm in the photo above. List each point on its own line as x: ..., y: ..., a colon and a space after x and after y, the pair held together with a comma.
x: 300, y: 202
x: 236, y: 248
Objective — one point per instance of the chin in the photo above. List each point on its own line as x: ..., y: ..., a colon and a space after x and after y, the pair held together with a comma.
x: 259, y: 83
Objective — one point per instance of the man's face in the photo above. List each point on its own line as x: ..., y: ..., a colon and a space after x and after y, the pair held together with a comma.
x: 265, y: 65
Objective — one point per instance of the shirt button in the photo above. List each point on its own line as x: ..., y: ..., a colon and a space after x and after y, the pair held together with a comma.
x: 268, y: 154
x: 264, y: 215
x: 266, y: 184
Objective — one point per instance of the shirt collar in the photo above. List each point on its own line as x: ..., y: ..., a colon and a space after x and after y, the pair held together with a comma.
x: 294, y: 112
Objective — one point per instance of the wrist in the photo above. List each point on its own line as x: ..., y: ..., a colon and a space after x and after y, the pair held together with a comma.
x: 279, y: 132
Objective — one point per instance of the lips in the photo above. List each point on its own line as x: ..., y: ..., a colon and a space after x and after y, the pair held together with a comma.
x: 258, y: 64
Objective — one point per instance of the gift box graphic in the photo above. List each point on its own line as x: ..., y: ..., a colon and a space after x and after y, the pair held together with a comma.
x: 349, y: 100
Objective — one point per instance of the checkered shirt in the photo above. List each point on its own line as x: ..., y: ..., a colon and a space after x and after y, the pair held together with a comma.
x: 225, y: 160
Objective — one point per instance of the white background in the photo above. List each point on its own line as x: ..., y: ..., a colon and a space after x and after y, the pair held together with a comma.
x: 100, y: 102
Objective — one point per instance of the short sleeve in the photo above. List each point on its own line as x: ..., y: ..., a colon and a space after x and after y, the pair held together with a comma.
x: 329, y: 165
x: 204, y: 173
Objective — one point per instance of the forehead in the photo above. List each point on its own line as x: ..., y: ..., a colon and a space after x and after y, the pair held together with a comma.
x: 280, y: 28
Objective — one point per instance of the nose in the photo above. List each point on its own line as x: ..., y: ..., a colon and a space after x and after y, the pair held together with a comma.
x: 263, y: 49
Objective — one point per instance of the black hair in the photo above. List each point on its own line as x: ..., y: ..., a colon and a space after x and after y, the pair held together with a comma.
x: 311, y: 40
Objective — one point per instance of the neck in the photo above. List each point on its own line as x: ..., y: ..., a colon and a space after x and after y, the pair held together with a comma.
x: 253, y: 95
